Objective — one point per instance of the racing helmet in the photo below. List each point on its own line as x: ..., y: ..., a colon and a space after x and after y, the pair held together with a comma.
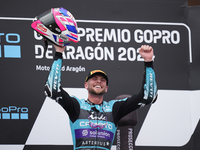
x: 56, y: 25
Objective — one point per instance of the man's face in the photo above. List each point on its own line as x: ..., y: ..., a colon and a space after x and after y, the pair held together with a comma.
x: 96, y: 85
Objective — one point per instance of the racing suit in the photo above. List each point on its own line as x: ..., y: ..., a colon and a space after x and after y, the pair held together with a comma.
x: 93, y: 126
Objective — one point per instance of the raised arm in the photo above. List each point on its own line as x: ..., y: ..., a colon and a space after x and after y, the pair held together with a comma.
x: 54, y: 90
x: 150, y: 86
x: 53, y: 84
x: 148, y: 92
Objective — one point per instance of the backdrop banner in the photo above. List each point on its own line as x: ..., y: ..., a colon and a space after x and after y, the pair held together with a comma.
x: 110, y: 33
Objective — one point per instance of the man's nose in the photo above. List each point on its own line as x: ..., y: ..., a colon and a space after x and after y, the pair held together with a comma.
x: 99, y: 80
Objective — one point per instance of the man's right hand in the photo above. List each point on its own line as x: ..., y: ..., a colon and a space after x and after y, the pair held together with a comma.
x: 59, y: 49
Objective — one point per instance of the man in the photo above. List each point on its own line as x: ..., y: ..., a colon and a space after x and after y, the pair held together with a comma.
x: 94, y: 121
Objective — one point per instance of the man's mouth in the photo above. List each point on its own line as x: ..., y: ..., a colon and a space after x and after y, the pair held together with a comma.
x: 98, y: 86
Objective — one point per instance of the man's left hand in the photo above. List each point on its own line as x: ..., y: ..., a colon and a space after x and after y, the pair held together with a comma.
x: 146, y: 52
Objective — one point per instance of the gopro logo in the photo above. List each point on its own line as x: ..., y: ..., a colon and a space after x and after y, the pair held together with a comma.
x: 13, y: 112
x: 10, y: 51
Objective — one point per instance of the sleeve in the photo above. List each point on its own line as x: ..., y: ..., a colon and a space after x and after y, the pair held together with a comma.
x: 53, y: 84
x: 147, y: 95
x: 54, y: 90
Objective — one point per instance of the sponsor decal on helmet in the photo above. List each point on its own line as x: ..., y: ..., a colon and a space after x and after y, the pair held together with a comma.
x: 41, y: 27
x: 65, y: 38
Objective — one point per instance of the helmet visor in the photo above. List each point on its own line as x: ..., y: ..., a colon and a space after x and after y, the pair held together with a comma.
x: 48, y: 20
